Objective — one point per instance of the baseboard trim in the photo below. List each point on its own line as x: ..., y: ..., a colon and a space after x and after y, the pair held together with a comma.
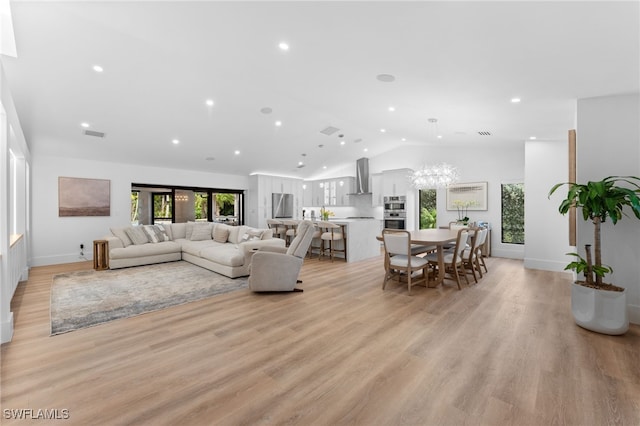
x: 545, y: 265
x: 57, y: 260
x: 6, y: 329
x: 508, y: 254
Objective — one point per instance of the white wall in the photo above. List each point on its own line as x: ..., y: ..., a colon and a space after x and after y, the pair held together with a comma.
x: 608, y: 143
x: 494, y: 165
x: 14, y: 205
x: 57, y: 239
x: 546, y: 230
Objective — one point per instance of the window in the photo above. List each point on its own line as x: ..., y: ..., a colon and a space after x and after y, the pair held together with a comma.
x: 165, y: 204
x: 162, y: 207
x: 512, y: 213
x: 201, y: 206
x: 428, y: 208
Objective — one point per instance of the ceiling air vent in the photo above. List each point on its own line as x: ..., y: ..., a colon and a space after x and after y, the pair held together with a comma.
x: 301, y: 166
x: 329, y: 130
x: 94, y: 133
x: 484, y: 133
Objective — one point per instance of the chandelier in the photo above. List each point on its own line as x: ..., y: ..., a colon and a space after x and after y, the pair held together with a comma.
x: 435, y: 176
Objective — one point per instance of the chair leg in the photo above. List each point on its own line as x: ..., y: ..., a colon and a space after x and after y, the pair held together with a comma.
x: 409, y: 281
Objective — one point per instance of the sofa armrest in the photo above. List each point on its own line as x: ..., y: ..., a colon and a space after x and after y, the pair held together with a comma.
x: 114, y: 242
x: 250, y: 247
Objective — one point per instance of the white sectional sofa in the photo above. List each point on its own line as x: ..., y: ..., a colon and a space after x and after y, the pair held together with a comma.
x: 221, y: 248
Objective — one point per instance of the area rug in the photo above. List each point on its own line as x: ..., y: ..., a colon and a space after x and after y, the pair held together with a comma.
x: 87, y: 298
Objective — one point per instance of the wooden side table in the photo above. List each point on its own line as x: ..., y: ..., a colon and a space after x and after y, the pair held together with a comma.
x: 100, y: 255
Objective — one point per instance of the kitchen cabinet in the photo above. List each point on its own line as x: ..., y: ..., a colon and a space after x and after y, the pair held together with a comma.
x: 376, y: 190
x: 329, y: 192
x: 395, y: 182
x: 259, y: 195
x: 344, y: 187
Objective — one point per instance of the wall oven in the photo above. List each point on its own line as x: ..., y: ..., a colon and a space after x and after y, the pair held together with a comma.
x: 395, y: 203
x: 395, y: 220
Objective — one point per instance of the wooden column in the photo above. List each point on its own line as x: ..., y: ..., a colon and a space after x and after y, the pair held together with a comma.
x: 572, y: 179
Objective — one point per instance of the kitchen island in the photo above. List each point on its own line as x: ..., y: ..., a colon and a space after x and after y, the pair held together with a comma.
x: 361, y: 238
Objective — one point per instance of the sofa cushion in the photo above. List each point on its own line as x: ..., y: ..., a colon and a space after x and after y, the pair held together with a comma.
x: 234, y: 233
x: 195, y: 247
x: 178, y: 230
x: 226, y: 254
x: 201, y: 232
x: 220, y: 233
x: 122, y: 235
x: 137, y: 235
x: 142, y: 250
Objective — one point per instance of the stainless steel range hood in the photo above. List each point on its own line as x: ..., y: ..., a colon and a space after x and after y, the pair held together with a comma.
x: 362, y: 176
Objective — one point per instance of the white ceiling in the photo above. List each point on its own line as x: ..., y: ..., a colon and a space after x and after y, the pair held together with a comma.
x: 459, y: 62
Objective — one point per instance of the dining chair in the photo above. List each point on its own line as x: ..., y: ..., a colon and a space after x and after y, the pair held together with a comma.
x: 482, y: 239
x: 469, y: 261
x: 453, y: 259
x: 398, y: 260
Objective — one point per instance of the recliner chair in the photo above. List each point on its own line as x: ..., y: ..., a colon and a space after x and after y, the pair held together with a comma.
x: 277, y: 268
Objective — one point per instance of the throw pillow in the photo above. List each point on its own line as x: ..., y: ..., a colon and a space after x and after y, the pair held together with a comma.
x: 137, y: 235
x: 156, y: 233
x: 201, y: 233
x: 121, y: 234
x: 220, y: 234
x: 252, y: 235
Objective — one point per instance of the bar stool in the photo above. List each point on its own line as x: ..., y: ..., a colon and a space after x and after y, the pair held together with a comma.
x: 291, y: 230
x: 332, y: 234
x: 278, y: 228
x: 317, y: 233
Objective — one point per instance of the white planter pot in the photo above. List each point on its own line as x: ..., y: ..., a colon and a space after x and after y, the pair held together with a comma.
x: 600, y: 310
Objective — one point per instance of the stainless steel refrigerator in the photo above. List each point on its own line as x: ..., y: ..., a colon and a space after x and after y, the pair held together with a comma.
x: 282, y: 205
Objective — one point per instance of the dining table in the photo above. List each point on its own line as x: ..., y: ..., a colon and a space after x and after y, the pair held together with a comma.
x: 437, y: 238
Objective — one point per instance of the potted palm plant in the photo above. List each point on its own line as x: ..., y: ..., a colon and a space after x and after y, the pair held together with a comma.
x: 598, y: 306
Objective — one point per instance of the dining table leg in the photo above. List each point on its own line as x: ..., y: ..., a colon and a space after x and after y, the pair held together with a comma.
x: 440, y: 278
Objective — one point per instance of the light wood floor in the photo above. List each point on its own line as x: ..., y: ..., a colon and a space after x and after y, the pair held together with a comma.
x: 505, y: 351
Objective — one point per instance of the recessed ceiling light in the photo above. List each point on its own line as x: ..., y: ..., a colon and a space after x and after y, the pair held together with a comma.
x: 366, y: 149
x: 283, y: 46
x: 385, y: 78
x: 515, y: 100
x: 439, y: 136
x: 209, y: 102
x: 85, y: 125
x: 324, y: 167
x: 236, y: 152
x: 300, y: 163
x: 403, y: 139
x: 98, y: 68
x: 175, y: 141
x: 278, y: 123
x: 383, y: 130
x: 391, y: 108
x: 532, y: 138
x: 342, y: 142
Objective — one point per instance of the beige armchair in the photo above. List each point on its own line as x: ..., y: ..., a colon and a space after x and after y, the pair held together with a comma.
x: 277, y: 268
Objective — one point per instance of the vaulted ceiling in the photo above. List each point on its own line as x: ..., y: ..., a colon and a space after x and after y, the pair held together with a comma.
x: 460, y: 63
